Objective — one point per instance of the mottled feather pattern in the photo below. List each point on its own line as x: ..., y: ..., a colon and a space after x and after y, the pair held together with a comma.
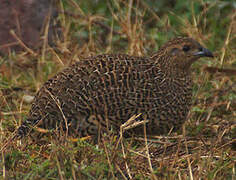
x: 104, y: 91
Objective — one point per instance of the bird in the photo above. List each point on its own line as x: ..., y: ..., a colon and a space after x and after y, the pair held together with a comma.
x: 97, y: 94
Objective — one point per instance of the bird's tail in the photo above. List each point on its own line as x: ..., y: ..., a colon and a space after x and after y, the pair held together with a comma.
x: 21, y: 132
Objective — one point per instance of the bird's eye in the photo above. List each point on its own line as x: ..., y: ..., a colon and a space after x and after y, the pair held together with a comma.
x: 186, y: 48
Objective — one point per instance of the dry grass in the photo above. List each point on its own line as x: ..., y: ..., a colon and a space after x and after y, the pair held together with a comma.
x: 204, y: 149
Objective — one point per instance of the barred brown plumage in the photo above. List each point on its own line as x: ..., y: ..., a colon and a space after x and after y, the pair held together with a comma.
x: 104, y: 91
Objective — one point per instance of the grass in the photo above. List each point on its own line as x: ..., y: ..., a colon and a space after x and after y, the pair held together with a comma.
x: 204, y: 149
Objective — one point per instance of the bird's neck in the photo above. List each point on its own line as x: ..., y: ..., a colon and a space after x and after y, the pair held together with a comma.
x: 172, y: 70
x: 176, y: 72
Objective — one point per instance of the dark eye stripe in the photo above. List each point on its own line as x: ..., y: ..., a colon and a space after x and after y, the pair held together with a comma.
x: 186, y: 48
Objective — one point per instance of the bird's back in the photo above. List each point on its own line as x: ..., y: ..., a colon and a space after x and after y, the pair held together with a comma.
x: 104, y: 91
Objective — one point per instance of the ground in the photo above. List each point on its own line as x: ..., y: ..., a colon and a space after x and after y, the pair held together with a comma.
x: 205, y: 148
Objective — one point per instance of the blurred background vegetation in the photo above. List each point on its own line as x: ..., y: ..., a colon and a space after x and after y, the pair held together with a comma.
x: 205, y: 149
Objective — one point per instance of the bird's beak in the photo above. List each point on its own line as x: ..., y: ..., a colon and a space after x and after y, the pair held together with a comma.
x: 203, y: 52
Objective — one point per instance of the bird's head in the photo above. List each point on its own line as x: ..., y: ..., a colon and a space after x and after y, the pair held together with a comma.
x: 180, y: 53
